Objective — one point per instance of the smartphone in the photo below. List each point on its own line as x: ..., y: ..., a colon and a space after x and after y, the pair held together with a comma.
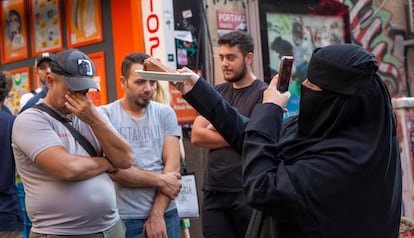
x: 285, y: 70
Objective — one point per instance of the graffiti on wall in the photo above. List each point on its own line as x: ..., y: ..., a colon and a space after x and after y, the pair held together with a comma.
x: 371, y: 27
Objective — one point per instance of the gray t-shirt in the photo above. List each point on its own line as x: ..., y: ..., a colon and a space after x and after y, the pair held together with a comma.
x: 55, y: 206
x: 146, y: 136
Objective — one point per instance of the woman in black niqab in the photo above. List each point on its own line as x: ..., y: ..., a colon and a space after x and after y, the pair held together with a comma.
x: 335, y: 172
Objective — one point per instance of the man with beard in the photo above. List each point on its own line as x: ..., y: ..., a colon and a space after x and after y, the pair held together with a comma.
x: 146, y: 191
x: 332, y: 171
x: 225, y: 212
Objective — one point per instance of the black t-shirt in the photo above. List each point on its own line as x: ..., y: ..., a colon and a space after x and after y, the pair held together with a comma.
x: 224, y: 169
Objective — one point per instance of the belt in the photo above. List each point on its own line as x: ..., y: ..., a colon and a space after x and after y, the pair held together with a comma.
x: 116, y: 231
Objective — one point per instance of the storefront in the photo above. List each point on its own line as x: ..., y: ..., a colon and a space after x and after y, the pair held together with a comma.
x: 185, y: 32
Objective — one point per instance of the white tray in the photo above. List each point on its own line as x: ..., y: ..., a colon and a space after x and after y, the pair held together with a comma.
x: 152, y: 75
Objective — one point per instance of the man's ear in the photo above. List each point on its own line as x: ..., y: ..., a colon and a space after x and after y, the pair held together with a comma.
x: 123, y: 82
x: 249, y: 58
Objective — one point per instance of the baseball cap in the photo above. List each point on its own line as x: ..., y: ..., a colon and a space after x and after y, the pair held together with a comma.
x: 43, y: 56
x: 76, y: 68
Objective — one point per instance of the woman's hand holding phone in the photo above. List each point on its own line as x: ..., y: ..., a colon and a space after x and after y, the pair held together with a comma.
x: 273, y: 95
x: 285, y: 70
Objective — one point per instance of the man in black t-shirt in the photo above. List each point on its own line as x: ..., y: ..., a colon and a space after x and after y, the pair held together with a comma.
x: 225, y: 212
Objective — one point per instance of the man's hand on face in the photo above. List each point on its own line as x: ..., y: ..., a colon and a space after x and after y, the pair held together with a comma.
x: 80, y: 105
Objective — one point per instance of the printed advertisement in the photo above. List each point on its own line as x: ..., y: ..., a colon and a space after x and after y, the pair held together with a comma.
x: 230, y: 20
x: 20, y: 86
x: 299, y: 35
x: 45, y: 23
x: 13, y: 31
x: 185, y: 112
x: 84, y: 22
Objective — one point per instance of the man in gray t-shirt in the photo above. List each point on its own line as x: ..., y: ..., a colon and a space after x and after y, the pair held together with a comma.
x: 68, y: 191
x: 145, y: 192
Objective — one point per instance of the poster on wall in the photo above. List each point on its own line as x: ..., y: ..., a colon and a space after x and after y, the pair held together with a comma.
x: 187, y: 34
x: 298, y: 35
x: 187, y: 28
x: 45, y: 21
x: 230, y: 21
x: 21, y: 85
x: 84, y: 22
x: 184, y: 111
x: 296, y: 30
x: 13, y: 31
x: 99, y: 97
x: 224, y: 16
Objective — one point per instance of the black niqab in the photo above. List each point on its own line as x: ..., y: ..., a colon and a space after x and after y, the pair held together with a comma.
x: 341, y: 152
x: 340, y: 70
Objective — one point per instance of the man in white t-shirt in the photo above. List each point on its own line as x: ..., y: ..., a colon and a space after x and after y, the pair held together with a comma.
x: 146, y: 191
x: 42, y: 67
x: 68, y: 190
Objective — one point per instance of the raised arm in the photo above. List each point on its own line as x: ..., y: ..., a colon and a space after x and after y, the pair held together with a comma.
x: 116, y: 149
x: 211, y: 105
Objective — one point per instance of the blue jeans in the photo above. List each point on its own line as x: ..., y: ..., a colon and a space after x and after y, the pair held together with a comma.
x: 27, y: 224
x: 172, y: 221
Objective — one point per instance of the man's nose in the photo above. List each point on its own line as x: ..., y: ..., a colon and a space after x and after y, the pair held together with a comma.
x: 224, y: 62
x: 148, y: 85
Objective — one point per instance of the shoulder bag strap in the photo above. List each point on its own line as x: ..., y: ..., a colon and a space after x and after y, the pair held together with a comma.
x: 183, y: 165
x: 78, y: 136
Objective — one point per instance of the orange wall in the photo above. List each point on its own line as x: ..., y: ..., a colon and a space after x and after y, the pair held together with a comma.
x: 127, y: 33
